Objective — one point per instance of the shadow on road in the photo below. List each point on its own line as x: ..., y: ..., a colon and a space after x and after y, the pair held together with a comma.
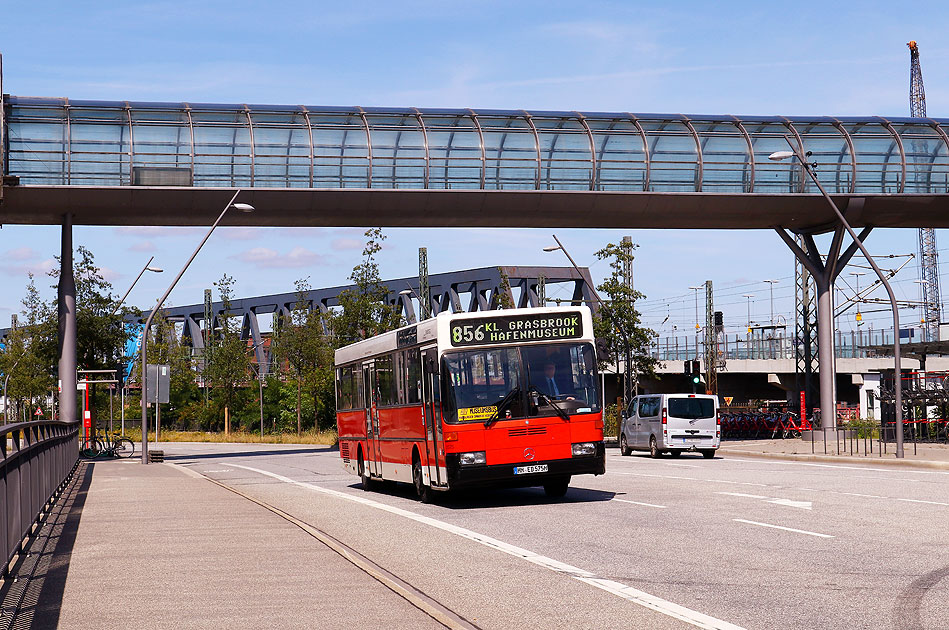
x: 37, y: 594
x: 492, y: 497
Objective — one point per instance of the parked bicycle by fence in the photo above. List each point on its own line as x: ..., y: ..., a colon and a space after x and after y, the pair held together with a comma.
x: 110, y: 445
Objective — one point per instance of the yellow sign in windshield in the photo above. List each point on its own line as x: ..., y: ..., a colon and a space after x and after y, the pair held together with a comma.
x: 476, y: 413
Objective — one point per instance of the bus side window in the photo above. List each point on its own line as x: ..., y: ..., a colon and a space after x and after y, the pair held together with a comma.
x: 413, y: 377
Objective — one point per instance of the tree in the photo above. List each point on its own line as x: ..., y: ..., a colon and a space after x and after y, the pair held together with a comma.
x: 618, y: 323
x: 365, y: 311
x: 228, y: 366
x: 306, y: 348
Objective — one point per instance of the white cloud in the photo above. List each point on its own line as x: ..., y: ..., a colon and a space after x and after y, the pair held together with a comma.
x: 155, y: 231
x: 143, y: 246
x: 21, y: 254
x: 271, y: 259
x: 342, y: 244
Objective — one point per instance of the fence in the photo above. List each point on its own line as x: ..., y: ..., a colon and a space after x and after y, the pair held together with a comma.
x: 35, y: 460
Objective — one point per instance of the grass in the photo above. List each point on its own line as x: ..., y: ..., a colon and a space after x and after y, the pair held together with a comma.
x: 238, y: 437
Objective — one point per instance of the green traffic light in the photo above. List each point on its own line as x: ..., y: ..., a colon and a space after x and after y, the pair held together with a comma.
x: 696, y: 379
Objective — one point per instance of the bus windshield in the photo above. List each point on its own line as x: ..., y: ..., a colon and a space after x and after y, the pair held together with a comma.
x: 546, y: 377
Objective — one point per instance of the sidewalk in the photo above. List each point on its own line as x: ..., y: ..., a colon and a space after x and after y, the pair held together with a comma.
x: 154, y: 547
x: 925, y: 455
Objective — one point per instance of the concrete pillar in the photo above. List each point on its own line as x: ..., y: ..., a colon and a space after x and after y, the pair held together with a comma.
x: 67, y: 327
x: 825, y: 352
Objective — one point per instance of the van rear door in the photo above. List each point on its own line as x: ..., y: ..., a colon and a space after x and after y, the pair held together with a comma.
x: 691, y: 421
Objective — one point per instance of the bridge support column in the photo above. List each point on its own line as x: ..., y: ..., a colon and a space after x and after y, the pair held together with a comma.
x: 67, y: 326
x: 825, y: 271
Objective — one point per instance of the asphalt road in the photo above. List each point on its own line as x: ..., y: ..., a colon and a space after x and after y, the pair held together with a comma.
x: 662, y: 543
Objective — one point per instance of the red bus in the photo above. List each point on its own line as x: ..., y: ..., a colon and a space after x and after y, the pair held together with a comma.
x: 497, y: 398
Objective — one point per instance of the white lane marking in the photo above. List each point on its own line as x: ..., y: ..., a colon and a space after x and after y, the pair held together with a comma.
x: 741, y: 483
x: 640, y: 503
x: 741, y: 494
x: 223, y: 470
x: 804, y: 505
x: 922, y: 501
x: 646, y: 600
x: 684, y: 465
x: 787, y: 529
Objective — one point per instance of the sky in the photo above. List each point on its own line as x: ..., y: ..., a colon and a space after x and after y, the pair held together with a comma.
x: 742, y: 58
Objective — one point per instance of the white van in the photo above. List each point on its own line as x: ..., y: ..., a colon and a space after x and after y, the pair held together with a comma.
x: 671, y: 423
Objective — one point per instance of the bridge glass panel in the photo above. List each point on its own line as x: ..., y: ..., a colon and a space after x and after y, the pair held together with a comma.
x: 770, y: 176
x: 620, y: 154
x: 927, y: 162
x: 726, y: 164
x: 510, y: 153
x: 281, y: 150
x: 398, y: 151
x: 879, y: 162
x: 161, y: 138
x: 673, y: 157
x: 37, y: 144
x: 99, y: 147
x: 222, y: 148
x: 566, y: 161
x: 829, y: 150
x: 341, y: 151
x: 454, y: 151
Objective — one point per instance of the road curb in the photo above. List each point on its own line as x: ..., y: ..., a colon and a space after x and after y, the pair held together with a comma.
x: 886, y: 460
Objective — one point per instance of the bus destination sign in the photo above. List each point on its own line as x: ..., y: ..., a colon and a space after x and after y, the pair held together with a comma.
x: 516, y: 328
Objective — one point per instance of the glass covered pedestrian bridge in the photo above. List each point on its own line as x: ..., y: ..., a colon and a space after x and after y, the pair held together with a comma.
x: 56, y: 142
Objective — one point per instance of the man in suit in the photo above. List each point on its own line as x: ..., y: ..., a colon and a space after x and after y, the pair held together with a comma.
x: 549, y: 383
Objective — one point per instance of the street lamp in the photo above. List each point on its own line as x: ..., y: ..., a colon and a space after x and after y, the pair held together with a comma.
x: 772, y: 283
x: 856, y: 276
x: 609, y: 313
x: 243, y: 207
x: 897, y: 375
x: 147, y: 267
x: 6, y: 401
x: 260, y: 383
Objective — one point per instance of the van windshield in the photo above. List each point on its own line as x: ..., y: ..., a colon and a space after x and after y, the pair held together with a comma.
x: 691, y: 408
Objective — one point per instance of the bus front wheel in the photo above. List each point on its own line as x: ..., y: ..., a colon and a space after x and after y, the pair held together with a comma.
x: 364, y: 479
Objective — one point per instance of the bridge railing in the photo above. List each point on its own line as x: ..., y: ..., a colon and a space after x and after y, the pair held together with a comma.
x: 35, y: 460
x: 854, y: 344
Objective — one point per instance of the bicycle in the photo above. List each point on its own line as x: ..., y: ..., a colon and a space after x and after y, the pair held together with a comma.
x: 112, y: 445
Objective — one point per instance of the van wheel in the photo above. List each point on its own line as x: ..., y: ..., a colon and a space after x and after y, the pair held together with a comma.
x: 556, y: 488
x: 422, y: 492
x: 654, y: 448
x: 624, y: 446
x: 364, y: 481
x: 708, y: 454
x: 676, y: 453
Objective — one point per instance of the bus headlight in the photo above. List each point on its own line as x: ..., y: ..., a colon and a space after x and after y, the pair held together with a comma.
x: 472, y: 459
x: 584, y: 449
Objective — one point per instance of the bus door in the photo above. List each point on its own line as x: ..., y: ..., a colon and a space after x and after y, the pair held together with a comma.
x: 434, y: 440
x: 374, y: 465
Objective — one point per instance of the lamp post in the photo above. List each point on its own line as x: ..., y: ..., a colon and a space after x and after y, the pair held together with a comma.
x: 897, y: 376
x: 609, y: 313
x: 243, y: 207
x: 260, y: 383
x: 696, y: 289
x: 147, y: 267
x: 748, y: 297
x: 6, y: 401
x: 772, y: 283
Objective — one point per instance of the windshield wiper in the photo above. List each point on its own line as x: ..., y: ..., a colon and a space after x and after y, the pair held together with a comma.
x: 504, y: 402
x: 549, y: 401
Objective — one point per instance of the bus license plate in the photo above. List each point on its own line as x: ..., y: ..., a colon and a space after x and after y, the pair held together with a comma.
x: 525, y: 470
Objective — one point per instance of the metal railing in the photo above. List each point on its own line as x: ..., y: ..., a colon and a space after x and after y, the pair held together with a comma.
x: 857, y: 344
x: 36, y: 458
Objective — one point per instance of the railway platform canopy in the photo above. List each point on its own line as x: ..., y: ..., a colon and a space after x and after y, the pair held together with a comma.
x: 145, y: 163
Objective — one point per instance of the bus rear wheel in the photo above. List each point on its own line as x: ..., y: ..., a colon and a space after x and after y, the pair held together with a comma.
x: 556, y: 488
x: 364, y: 481
x: 423, y: 492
